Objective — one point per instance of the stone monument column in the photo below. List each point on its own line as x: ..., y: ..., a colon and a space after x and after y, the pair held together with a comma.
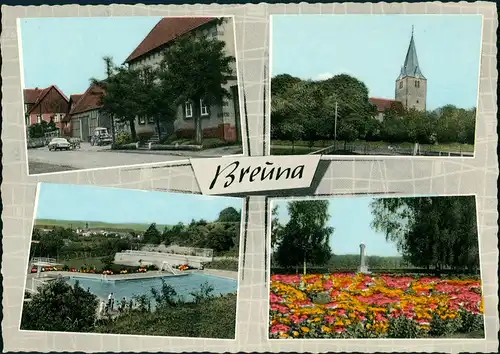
x: 363, y: 268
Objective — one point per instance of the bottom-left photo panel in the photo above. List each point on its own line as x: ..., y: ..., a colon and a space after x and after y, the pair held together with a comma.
x: 122, y: 261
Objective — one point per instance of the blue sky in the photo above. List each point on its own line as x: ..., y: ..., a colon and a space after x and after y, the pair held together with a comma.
x: 351, y: 217
x: 120, y: 206
x: 373, y: 48
x: 67, y: 52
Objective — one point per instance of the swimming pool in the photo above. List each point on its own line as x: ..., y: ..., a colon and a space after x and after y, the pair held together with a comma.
x: 183, y: 285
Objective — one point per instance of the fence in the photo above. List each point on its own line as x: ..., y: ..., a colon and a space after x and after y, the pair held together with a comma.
x: 38, y: 142
x: 391, y: 150
x: 43, y: 260
x: 184, y: 251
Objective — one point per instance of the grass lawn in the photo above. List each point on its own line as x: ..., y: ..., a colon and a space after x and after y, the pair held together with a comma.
x: 212, y: 318
x: 80, y: 262
x: 283, y: 147
x: 226, y: 264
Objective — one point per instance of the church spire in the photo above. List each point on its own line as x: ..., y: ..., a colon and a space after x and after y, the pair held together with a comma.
x: 410, y: 66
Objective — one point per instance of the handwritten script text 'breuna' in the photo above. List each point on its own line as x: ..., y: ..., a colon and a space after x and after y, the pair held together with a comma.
x: 233, y: 172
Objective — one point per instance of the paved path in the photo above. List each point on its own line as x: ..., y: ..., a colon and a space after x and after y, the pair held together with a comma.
x: 42, y: 160
x: 221, y: 273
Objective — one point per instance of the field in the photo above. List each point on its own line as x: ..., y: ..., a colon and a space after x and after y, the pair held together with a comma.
x: 348, y: 305
x: 95, y: 225
x: 283, y: 147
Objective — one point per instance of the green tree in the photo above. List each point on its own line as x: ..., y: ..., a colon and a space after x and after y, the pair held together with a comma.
x: 276, y: 228
x: 198, y: 68
x: 157, y: 98
x: 173, y: 234
x: 229, y: 214
x: 220, y: 238
x: 431, y: 232
x: 305, y: 238
x: 123, y: 98
x: 351, y: 96
x: 292, y: 131
x: 152, y: 235
x: 281, y: 83
x: 59, y: 306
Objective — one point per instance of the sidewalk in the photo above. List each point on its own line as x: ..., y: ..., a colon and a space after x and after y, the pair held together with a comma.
x: 215, y: 152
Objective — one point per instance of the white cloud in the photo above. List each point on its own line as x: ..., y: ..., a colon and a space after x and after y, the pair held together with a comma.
x: 323, y: 76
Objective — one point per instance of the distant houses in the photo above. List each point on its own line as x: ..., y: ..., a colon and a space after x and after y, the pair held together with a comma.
x: 47, y: 104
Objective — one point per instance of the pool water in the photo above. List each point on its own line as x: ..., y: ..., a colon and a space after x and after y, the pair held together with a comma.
x: 183, y: 285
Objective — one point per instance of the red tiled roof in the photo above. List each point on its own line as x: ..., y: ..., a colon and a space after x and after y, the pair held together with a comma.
x: 74, y: 98
x: 384, y: 103
x: 90, y: 100
x: 31, y: 95
x: 42, y: 94
x: 166, y: 30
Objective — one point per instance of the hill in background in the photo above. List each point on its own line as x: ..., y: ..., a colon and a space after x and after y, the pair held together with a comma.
x: 96, y: 225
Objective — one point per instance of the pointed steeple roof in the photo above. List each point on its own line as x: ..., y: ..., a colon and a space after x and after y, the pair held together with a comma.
x: 410, y: 66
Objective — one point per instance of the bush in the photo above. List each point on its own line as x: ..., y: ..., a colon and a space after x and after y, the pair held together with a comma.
x: 123, y: 138
x: 131, y: 146
x: 444, y: 328
x: 471, y: 322
x: 403, y: 327
x: 211, y: 143
x: 167, y: 140
x: 175, y: 147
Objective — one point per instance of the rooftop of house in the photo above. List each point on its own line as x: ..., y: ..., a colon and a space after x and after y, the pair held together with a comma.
x: 89, y: 100
x: 31, y: 95
x: 168, y: 29
x: 36, y: 95
x: 384, y: 103
x: 73, y: 99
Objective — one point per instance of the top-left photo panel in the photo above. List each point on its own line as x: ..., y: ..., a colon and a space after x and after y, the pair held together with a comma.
x: 104, y: 92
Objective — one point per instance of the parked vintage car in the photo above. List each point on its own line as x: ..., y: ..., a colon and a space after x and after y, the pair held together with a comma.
x: 74, y: 143
x: 59, y: 144
x: 100, y: 137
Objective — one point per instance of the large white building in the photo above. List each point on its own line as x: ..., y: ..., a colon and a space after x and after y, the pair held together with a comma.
x: 218, y: 121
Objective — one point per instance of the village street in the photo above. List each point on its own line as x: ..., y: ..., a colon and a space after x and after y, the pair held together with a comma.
x: 41, y: 160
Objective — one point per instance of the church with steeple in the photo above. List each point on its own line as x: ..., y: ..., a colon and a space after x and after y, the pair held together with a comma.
x: 411, y: 85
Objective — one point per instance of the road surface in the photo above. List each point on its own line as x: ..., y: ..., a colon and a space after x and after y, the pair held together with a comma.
x: 42, y: 160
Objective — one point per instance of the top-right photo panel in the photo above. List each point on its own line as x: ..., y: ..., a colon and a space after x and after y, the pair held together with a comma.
x: 377, y: 85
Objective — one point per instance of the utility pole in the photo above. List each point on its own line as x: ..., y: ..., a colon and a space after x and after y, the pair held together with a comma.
x: 335, y: 127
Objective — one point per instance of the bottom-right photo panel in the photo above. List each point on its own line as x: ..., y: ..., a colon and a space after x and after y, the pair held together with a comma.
x: 375, y: 267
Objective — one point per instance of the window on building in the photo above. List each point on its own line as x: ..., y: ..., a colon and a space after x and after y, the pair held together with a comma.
x: 203, y: 108
x: 151, y: 120
x: 56, y: 118
x: 417, y: 101
x: 142, y: 120
x: 401, y: 84
x: 417, y: 84
x: 188, y: 109
x: 38, y: 118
